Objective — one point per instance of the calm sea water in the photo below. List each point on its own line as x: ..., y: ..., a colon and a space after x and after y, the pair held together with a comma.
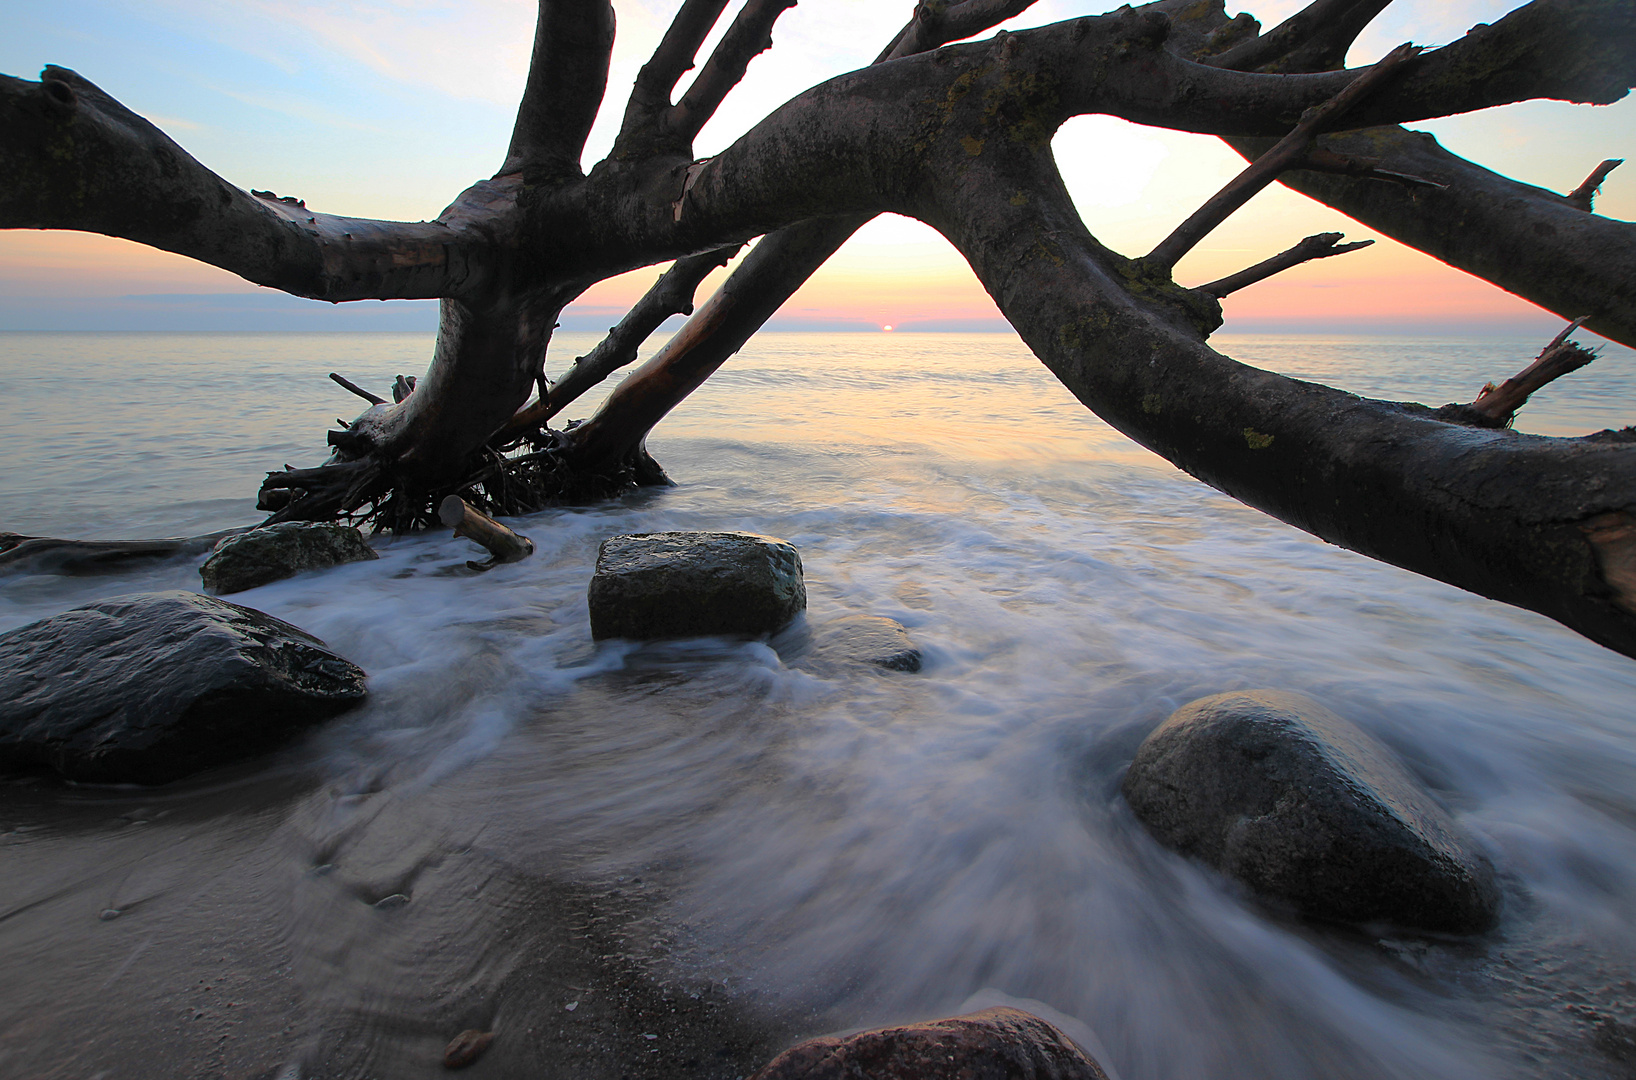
x: 875, y: 847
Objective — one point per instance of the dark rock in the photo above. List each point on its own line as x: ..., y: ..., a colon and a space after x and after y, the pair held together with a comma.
x: 868, y: 639
x: 148, y: 688
x: 1279, y: 793
x: 995, y: 1044
x: 687, y: 584
x: 279, y: 551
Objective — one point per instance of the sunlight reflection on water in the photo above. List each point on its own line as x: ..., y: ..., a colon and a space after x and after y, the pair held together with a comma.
x: 880, y: 846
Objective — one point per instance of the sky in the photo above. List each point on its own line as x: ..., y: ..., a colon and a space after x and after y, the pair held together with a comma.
x: 389, y: 110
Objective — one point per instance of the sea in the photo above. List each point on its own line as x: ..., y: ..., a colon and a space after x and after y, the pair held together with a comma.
x: 850, y: 846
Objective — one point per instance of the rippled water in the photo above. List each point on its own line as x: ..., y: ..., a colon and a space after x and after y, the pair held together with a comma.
x: 843, y: 847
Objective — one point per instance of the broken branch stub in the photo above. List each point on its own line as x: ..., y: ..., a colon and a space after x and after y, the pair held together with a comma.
x: 1497, y: 405
x: 1583, y: 195
x: 504, y: 546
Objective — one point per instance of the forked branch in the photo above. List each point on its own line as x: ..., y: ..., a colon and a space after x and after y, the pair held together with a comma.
x: 649, y: 102
x: 750, y: 34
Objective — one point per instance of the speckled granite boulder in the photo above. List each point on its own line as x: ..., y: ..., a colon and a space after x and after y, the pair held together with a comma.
x: 147, y: 688
x: 867, y: 639
x: 995, y: 1044
x: 1301, y: 806
x: 279, y: 551
x: 688, y: 584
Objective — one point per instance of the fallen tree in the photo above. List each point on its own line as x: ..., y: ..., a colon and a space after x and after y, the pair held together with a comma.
x: 958, y: 136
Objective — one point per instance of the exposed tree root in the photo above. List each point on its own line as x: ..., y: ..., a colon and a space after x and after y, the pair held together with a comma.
x: 524, y: 476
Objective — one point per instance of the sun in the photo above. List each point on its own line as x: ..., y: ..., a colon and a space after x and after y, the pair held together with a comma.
x: 888, y: 329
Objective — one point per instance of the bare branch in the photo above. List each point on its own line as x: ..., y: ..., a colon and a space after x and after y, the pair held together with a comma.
x: 1582, y: 195
x: 1497, y: 406
x: 567, y: 75
x: 72, y: 157
x: 348, y: 384
x: 1554, y: 536
x: 749, y: 35
x: 1320, y: 246
x: 1286, y: 154
x: 671, y: 295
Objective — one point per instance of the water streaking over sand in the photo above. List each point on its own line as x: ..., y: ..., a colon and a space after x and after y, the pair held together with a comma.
x: 815, y: 848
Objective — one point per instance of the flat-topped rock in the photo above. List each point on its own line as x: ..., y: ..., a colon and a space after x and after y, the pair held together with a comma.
x: 867, y: 639
x: 691, y: 584
x: 1301, y: 806
x: 995, y: 1044
x: 262, y: 556
x: 148, y: 688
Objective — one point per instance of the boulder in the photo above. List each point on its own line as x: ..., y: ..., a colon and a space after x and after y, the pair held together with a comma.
x: 868, y: 639
x: 1279, y: 793
x: 688, y: 584
x: 995, y: 1044
x: 279, y: 551
x: 147, y: 688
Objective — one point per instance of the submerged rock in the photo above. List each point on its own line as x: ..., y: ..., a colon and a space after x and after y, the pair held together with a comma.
x: 688, y: 584
x: 995, y: 1044
x: 1279, y: 793
x: 148, y: 688
x: 279, y: 551
x: 868, y: 639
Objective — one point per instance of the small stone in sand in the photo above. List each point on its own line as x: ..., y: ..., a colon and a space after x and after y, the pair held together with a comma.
x: 466, y: 1048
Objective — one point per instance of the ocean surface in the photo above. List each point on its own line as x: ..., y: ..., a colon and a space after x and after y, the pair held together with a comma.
x: 853, y: 846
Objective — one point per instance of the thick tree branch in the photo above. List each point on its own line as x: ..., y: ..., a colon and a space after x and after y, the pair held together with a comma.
x: 1289, y: 150
x: 71, y: 157
x: 1313, y: 39
x: 1542, y: 523
x: 1320, y: 246
x: 567, y: 75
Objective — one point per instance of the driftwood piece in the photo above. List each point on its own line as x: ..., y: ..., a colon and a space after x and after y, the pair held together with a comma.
x: 504, y: 545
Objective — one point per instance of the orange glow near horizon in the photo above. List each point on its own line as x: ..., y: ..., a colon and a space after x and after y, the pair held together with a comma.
x: 874, y: 284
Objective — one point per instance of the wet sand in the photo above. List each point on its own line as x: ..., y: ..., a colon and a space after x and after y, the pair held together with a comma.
x: 233, y: 926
